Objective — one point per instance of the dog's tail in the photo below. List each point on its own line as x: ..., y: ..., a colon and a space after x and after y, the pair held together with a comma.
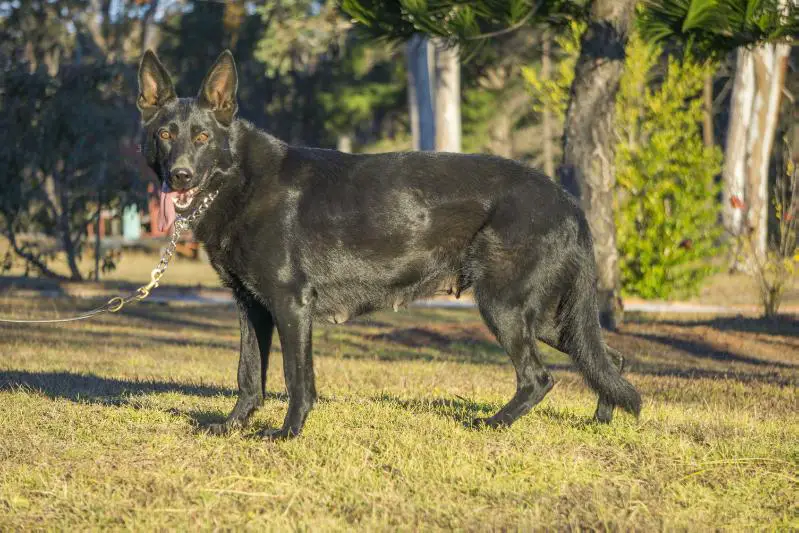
x: 581, y: 338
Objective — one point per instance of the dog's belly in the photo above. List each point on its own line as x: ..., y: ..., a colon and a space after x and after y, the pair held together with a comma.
x: 361, y: 286
x: 401, y: 249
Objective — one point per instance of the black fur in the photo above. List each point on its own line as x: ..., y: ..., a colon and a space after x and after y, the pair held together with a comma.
x: 304, y: 234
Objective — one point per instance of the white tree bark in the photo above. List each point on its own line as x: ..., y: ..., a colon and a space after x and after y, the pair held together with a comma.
x: 344, y: 143
x: 420, y: 93
x: 759, y: 80
x: 734, y: 174
x: 447, y: 83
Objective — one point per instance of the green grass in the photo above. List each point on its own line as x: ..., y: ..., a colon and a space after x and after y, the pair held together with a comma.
x: 100, y: 427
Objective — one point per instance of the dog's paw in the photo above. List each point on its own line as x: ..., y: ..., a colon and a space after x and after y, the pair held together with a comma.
x: 481, y: 423
x: 217, y: 429
x: 223, y: 428
x: 604, y: 414
x: 279, y: 434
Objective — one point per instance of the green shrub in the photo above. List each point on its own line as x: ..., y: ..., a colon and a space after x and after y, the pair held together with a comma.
x: 667, y: 208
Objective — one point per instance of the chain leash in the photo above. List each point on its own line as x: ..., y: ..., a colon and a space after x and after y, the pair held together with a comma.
x: 118, y: 302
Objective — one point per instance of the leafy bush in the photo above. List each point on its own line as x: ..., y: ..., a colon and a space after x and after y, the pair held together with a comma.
x: 667, y: 209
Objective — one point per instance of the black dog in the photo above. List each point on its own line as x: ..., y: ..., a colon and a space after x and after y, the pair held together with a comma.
x: 301, y: 234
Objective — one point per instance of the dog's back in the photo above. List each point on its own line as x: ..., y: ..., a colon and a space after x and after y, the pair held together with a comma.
x: 375, y: 231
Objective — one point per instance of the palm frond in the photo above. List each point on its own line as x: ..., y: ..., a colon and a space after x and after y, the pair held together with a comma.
x: 714, y: 27
x: 466, y: 23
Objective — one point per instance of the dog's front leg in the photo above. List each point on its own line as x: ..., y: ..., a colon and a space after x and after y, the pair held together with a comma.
x: 293, y: 317
x: 256, y: 340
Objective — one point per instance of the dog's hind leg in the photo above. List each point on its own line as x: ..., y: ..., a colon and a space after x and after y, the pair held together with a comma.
x: 257, y: 327
x: 574, y: 330
x: 513, y: 327
x: 604, y: 408
x: 549, y: 335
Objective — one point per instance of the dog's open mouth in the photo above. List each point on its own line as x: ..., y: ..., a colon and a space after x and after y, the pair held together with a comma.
x: 183, y: 198
x: 172, y: 200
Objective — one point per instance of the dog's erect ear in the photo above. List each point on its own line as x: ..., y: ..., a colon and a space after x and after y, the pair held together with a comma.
x: 155, y: 86
x: 218, y: 91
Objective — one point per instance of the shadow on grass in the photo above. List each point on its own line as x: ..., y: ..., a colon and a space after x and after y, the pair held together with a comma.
x: 650, y: 369
x: 465, y: 411
x: 706, y: 350
x: 461, y: 410
x: 96, y: 389
x: 90, y: 388
x: 781, y: 325
x: 168, y: 317
x: 424, y: 344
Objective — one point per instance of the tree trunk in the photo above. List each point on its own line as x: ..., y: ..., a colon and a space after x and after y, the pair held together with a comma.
x: 587, y: 170
x: 759, y: 80
x: 233, y: 20
x: 98, y: 236
x: 69, y: 245
x: 101, y: 175
x: 447, y: 83
x: 770, y: 64
x: 733, y: 173
x: 344, y: 143
x: 500, y: 134
x: 150, y: 31
x: 546, y: 119
x: 57, y: 197
x: 420, y: 95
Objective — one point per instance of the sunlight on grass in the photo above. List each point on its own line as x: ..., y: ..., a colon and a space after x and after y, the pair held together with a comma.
x: 100, y: 427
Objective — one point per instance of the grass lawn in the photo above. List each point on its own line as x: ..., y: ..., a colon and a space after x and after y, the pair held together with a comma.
x: 100, y: 427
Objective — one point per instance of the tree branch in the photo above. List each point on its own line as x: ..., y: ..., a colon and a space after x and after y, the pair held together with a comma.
x: 29, y: 258
x: 509, y: 29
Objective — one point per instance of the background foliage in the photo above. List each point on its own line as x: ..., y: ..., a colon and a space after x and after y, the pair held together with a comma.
x: 667, y: 211
x: 312, y: 73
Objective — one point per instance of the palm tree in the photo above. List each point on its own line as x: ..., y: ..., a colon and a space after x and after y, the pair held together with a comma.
x: 760, y: 31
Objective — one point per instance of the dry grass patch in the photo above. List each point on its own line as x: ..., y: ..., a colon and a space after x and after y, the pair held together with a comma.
x: 100, y: 427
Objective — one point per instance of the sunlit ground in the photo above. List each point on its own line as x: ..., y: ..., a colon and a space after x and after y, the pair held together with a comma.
x: 100, y: 426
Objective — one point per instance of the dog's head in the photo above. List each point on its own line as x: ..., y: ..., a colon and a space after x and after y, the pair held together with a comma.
x: 186, y: 139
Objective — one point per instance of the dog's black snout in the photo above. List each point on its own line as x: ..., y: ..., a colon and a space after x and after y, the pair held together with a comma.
x: 180, y: 178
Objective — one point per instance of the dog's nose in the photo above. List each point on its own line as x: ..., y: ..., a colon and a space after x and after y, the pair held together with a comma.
x: 180, y: 178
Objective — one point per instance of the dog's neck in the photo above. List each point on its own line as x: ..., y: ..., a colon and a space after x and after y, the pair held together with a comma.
x: 251, y: 151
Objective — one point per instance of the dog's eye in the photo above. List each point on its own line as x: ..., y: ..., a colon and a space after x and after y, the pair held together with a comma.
x: 201, y: 138
x: 164, y: 134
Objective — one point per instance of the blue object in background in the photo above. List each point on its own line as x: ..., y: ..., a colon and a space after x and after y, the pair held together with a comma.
x: 131, y: 223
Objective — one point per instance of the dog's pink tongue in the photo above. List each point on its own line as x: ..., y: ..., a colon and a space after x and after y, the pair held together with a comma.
x: 166, y: 215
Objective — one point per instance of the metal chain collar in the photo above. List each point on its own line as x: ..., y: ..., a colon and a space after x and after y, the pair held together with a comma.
x: 181, y: 224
